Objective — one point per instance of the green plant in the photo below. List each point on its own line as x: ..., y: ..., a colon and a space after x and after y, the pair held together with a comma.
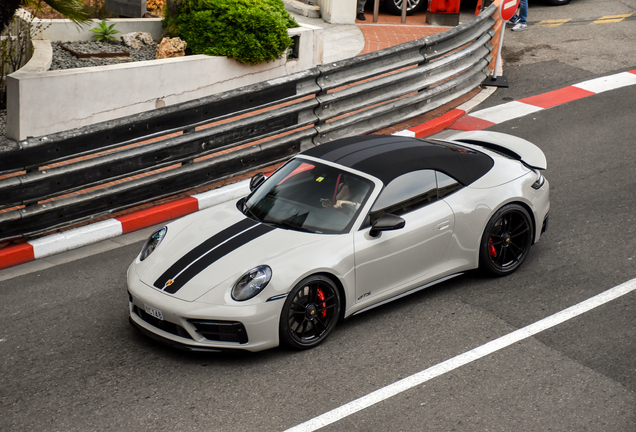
x: 105, y: 32
x: 250, y: 31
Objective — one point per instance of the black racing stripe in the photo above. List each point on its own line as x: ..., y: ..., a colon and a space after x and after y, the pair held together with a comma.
x: 216, y: 254
x: 204, y: 247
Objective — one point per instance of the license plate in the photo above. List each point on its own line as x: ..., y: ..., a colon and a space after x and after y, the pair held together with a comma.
x: 153, y: 312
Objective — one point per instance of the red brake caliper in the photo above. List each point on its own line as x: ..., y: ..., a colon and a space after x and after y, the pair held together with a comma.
x: 491, y: 249
x: 321, y: 297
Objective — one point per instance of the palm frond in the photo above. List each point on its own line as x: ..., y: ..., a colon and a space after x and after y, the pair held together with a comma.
x: 71, y: 9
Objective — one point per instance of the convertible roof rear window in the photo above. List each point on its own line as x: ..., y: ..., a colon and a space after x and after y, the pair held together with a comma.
x: 387, y: 157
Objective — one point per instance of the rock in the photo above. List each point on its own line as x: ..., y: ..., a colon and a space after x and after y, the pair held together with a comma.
x: 171, y: 47
x: 137, y: 40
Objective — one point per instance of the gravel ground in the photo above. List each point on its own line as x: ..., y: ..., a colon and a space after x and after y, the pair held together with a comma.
x: 63, y: 59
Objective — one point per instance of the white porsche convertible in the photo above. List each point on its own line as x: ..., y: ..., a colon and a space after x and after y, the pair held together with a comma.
x: 339, y: 229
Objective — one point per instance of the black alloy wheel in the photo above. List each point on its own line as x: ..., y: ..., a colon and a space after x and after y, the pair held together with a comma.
x: 506, y: 241
x: 310, y: 312
x: 395, y: 6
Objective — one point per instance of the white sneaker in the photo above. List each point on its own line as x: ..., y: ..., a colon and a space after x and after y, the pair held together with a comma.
x: 520, y: 27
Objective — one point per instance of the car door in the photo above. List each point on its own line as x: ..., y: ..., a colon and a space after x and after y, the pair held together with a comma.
x: 394, y: 261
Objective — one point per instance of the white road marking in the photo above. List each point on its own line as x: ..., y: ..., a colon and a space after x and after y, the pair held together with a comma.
x: 612, y: 82
x: 508, y: 111
x: 462, y: 359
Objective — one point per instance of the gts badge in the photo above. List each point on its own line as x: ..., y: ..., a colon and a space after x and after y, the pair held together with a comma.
x: 364, y: 295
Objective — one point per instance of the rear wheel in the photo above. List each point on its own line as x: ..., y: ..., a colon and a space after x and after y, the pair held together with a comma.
x: 310, y: 312
x: 395, y: 6
x: 506, y: 241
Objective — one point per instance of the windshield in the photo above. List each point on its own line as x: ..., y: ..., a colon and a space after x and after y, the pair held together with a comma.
x: 309, y: 196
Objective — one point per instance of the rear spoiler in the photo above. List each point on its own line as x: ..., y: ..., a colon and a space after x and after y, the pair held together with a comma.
x: 510, y: 145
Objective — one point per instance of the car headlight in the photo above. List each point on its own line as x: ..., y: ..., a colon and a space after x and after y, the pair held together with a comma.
x: 152, y: 243
x: 251, y: 283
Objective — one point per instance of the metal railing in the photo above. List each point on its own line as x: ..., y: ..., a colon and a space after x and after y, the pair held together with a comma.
x: 173, y: 149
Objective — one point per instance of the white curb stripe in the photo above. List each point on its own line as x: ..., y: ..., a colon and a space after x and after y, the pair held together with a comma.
x: 75, y: 238
x: 612, y: 82
x: 509, y: 111
x: 405, y: 133
x: 223, y: 194
x: 505, y: 112
x: 462, y: 359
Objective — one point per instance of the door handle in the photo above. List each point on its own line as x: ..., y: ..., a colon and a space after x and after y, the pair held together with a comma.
x: 443, y: 225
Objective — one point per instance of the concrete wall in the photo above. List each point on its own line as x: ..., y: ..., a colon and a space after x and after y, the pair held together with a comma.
x: 338, y: 11
x: 40, y: 102
x: 331, y: 11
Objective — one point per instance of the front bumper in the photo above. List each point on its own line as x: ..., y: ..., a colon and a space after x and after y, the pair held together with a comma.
x: 195, y: 326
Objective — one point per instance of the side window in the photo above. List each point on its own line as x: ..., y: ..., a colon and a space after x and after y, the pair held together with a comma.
x: 406, y: 193
x: 446, y: 185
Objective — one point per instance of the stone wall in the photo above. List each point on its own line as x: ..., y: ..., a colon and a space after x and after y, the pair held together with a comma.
x: 40, y: 102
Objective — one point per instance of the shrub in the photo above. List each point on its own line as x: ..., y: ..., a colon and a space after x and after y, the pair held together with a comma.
x: 250, y: 31
x: 155, y: 7
x: 105, y: 32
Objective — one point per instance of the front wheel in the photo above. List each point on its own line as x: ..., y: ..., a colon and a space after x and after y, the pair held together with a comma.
x: 506, y: 241
x: 395, y: 6
x: 310, y: 312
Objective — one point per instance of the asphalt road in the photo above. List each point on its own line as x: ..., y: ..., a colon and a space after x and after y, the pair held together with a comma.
x: 69, y: 360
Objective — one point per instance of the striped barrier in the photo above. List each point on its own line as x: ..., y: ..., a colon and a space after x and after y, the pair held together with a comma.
x: 457, y: 119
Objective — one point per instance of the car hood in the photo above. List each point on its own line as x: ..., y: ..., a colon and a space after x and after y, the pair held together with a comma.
x: 215, y: 246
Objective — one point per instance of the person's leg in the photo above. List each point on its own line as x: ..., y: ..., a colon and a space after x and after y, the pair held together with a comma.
x: 523, y: 11
x: 521, y: 23
x: 360, y: 10
x: 515, y: 17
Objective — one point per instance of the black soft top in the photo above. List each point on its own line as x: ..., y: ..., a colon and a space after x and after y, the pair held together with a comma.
x: 387, y: 157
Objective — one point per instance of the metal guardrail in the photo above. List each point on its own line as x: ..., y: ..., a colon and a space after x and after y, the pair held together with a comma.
x: 235, y: 132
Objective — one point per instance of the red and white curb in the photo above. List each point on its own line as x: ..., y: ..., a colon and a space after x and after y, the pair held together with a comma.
x: 99, y: 231
x: 455, y: 119
x: 458, y: 119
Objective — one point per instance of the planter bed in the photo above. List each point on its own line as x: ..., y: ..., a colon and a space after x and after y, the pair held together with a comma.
x: 63, y: 59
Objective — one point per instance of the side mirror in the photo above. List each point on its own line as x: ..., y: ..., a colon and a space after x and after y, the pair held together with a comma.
x: 387, y: 222
x: 256, y: 181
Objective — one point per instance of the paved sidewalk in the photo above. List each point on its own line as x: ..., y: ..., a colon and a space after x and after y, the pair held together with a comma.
x: 342, y: 41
